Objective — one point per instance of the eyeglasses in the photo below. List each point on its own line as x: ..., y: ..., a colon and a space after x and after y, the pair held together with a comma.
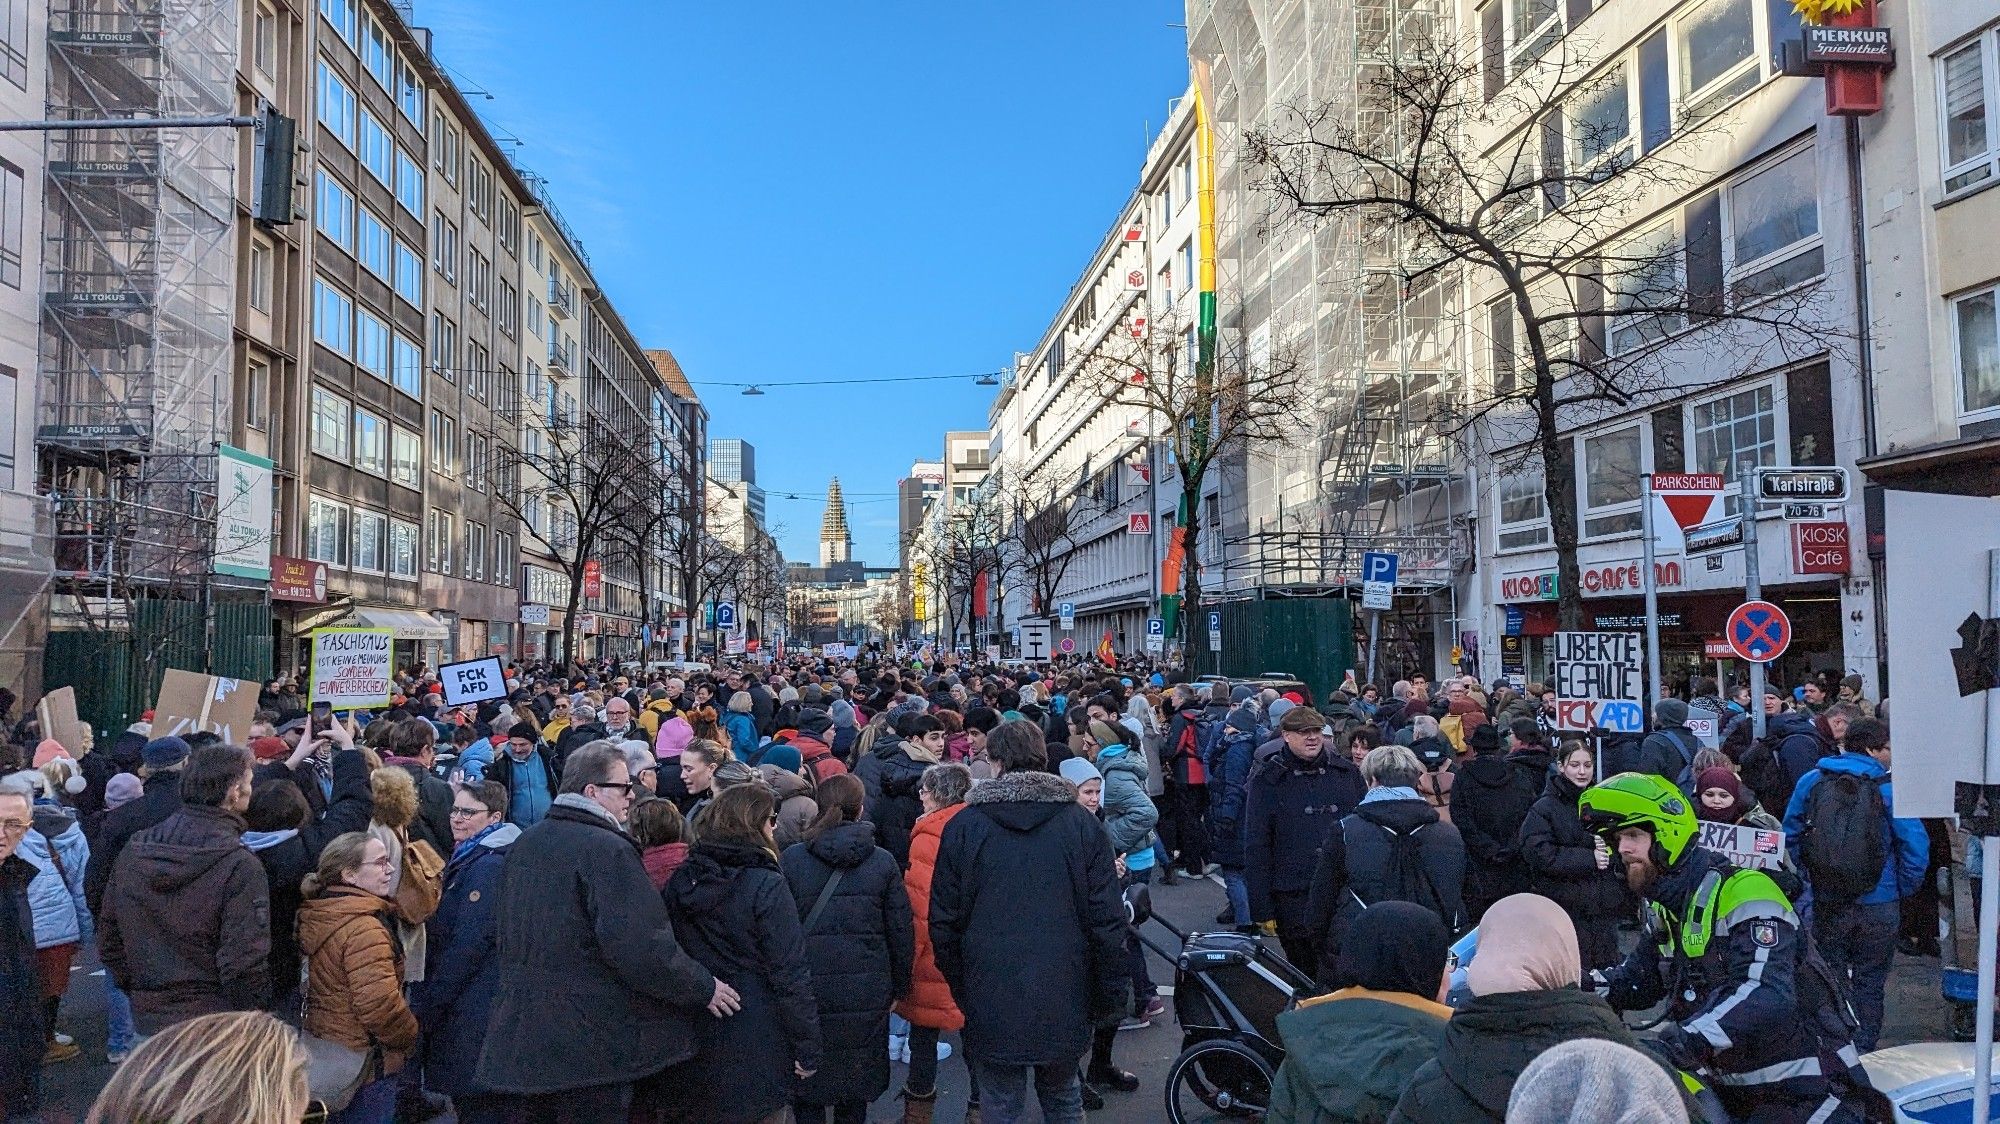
x: 14, y: 827
x: 382, y: 862
x: 459, y: 813
x: 622, y: 786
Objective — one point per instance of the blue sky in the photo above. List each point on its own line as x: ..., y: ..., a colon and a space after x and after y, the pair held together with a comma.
x: 791, y: 191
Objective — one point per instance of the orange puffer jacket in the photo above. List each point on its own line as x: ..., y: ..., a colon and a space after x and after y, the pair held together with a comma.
x: 929, y: 1002
x: 355, y: 968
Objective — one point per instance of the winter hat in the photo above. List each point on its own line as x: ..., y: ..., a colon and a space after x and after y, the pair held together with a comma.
x: 1851, y: 682
x: 842, y: 713
x: 1594, y: 1080
x: 675, y: 734
x: 1483, y: 738
x: 788, y: 695
x: 1670, y: 712
x: 164, y: 753
x: 269, y: 749
x: 48, y: 750
x: 814, y: 722
x: 121, y: 789
x: 1076, y: 771
x: 1724, y: 778
x: 812, y: 695
x: 1278, y: 708
x: 1241, y: 692
x: 784, y: 756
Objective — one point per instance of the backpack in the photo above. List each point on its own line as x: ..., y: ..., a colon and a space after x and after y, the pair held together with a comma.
x: 1845, y: 842
x: 1186, y: 753
x: 1407, y: 879
x: 1764, y: 773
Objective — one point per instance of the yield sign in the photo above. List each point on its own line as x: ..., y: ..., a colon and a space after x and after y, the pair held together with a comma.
x: 1758, y: 631
x: 1688, y: 500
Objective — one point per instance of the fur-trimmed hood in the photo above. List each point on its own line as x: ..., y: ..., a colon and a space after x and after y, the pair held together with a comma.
x: 1025, y: 786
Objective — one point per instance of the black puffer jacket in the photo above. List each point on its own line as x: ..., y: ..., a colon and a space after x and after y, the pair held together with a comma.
x: 860, y: 949
x: 892, y: 777
x: 21, y: 1043
x: 1561, y: 856
x: 1355, y: 871
x: 733, y: 912
x: 1489, y: 1041
x: 1489, y: 800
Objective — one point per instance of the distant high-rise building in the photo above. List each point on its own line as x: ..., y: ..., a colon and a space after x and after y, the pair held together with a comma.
x: 732, y: 460
x: 914, y: 495
x: 835, y: 544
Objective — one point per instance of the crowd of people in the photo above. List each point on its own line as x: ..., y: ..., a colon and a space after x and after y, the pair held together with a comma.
x: 741, y: 894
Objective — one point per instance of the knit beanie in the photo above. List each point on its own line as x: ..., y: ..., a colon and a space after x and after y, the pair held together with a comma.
x: 788, y: 695
x: 164, y: 753
x: 121, y: 789
x: 675, y: 734
x: 1594, y: 1081
x: 842, y: 713
x: 48, y: 750
x: 783, y: 755
x: 1076, y: 771
x: 1670, y: 712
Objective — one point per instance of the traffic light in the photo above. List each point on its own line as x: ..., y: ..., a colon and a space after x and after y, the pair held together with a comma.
x: 275, y: 147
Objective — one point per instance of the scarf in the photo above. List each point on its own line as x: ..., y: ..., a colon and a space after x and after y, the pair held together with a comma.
x: 1724, y: 778
x: 919, y: 752
x: 1390, y: 792
x: 465, y: 848
x: 584, y: 803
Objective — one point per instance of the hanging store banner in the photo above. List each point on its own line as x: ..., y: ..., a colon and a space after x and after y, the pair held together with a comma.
x: 1598, y: 683
x: 352, y: 667
x: 242, y: 514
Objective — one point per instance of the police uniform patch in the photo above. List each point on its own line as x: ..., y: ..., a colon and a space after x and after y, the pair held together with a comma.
x: 1764, y: 934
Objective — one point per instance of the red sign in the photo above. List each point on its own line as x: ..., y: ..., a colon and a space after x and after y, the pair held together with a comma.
x: 1688, y: 496
x: 1758, y: 631
x: 1135, y: 233
x: 1139, y: 523
x: 1820, y: 548
x: 1608, y: 579
x: 593, y: 578
x: 1853, y: 89
x: 1716, y: 648
x: 295, y: 579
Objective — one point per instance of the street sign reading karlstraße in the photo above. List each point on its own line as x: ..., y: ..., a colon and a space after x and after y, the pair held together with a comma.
x: 1802, y: 483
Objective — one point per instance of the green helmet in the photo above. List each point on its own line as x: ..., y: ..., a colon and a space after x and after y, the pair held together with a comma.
x: 1640, y: 800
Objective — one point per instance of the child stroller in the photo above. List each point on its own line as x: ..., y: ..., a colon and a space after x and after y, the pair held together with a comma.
x: 1229, y: 989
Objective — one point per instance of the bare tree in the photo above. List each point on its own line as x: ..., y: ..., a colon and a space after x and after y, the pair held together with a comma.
x: 1042, y: 507
x: 1532, y: 188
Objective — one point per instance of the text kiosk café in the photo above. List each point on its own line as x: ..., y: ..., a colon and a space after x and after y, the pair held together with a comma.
x: 1696, y: 595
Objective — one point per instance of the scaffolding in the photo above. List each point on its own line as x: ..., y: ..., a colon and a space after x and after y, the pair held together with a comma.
x: 1347, y: 296
x: 138, y: 297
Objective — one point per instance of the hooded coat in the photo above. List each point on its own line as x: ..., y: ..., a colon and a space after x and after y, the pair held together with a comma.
x: 462, y: 963
x: 21, y: 1042
x: 1561, y: 857
x: 860, y: 949
x: 354, y: 965
x: 1228, y: 763
x: 796, y: 807
x: 734, y: 913
x: 1129, y: 814
x: 1025, y: 867
x: 1489, y: 1041
x: 891, y: 777
x: 186, y: 924
x: 1489, y: 802
x: 929, y: 1001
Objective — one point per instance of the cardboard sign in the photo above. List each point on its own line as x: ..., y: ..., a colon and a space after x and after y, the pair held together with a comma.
x: 1598, y: 683
x: 352, y: 667
x: 473, y: 681
x: 1757, y: 847
x: 56, y: 714
x: 193, y: 703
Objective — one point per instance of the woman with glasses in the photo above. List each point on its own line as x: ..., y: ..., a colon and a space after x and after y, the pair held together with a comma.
x: 733, y: 911
x: 354, y: 968
x: 462, y: 962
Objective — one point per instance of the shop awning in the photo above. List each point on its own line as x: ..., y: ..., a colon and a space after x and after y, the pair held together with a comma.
x: 407, y: 624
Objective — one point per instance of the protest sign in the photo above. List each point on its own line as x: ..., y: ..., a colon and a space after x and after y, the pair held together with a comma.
x: 1598, y: 681
x: 57, y: 715
x: 193, y: 703
x: 1759, y: 847
x: 473, y: 681
x: 351, y: 667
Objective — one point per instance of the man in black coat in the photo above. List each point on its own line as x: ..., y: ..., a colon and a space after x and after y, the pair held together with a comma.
x: 21, y: 1042
x: 1025, y: 869
x: 1489, y: 800
x: 1292, y: 801
x: 595, y: 993
x: 163, y: 759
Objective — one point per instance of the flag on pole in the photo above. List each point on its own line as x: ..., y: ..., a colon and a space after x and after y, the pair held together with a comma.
x: 1106, y: 654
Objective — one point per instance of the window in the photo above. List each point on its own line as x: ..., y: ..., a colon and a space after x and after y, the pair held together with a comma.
x: 256, y: 393
x: 479, y: 191
x: 1965, y: 97
x: 260, y: 275
x: 372, y: 242
x: 1774, y: 227
x: 329, y: 424
x: 371, y: 533
x: 1502, y: 357
x: 444, y: 247
x: 1187, y: 265
x: 1730, y: 432
x: 475, y: 461
x: 13, y: 229
x: 333, y: 317
x: 264, y: 41
x: 378, y: 55
x: 402, y: 549
x: 336, y: 105
x: 535, y: 251
x: 409, y: 273
x: 371, y: 344
x: 444, y: 444
x: 378, y: 152
x: 1532, y: 27
x: 371, y: 443
x: 538, y: 315
x: 507, y: 318
x: 1611, y: 483
x: 510, y: 227
x: 326, y: 531
x: 445, y: 146
x: 475, y: 551
x: 406, y: 366
x: 444, y: 346
x: 333, y: 208
x: 1716, y: 48
x: 1524, y: 513
x: 437, y: 547
x: 478, y: 364
x: 478, y: 280
x: 409, y: 183
x: 503, y: 558
x: 406, y: 451
x: 1600, y: 123
x: 409, y: 93
x: 1643, y: 278
x: 339, y: 13
x: 1978, y: 331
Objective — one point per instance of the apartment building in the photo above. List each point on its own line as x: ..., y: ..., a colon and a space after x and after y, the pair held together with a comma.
x: 24, y: 525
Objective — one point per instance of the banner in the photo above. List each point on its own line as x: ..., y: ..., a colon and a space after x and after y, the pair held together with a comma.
x: 1598, y: 682
x: 1760, y: 847
x: 352, y: 667
x: 472, y: 681
x: 193, y: 703
x: 242, y: 514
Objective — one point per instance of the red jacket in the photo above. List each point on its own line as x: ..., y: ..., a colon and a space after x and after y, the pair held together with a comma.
x: 929, y: 1002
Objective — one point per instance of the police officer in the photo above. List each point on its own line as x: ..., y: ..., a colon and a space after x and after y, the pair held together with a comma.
x: 1725, y: 949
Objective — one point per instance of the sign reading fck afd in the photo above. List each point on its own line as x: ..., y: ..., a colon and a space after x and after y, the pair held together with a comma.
x: 1598, y: 684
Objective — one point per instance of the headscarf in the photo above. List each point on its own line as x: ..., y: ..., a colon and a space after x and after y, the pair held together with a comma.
x: 1724, y: 778
x: 1394, y: 946
x: 1526, y: 943
x: 1141, y: 710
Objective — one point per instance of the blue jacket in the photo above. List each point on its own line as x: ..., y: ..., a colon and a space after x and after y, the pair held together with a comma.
x: 1129, y: 814
x: 462, y: 964
x: 1800, y: 744
x: 742, y: 731
x: 61, y: 917
x: 1228, y: 764
x: 1910, y: 852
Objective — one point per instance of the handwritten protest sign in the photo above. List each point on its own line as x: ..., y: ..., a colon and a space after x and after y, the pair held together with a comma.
x: 1598, y: 682
x: 57, y: 715
x: 1759, y: 847
x: 193, y: 703
x: 351, y: 667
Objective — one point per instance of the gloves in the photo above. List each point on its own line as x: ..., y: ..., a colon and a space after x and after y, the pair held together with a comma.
x: 1686, y: 1051
x: 1268, y: 928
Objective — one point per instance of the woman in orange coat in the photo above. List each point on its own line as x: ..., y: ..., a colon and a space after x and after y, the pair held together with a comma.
x: 354, y: 969
x: 929, y: 1006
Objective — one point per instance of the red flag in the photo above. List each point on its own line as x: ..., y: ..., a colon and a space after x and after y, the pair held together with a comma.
x: 1106, y: 654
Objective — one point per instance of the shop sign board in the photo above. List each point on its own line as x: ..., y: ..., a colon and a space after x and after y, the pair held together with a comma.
x: 1716, y: 648
x: 243, y: 514
x: 1871, y: 45
x: 297, y: 579
x: 472, y: 681
x: 351, y: 667
x: 1820, y: 548
x: 1514, y: 659
x: 537, y: 615
x: 1759, y: 847
x: 1605, y: 579
x: 1598, y: 681
x: 1139, y: 523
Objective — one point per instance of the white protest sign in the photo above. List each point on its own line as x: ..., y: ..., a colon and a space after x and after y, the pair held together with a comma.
x: 351, y: 667
x: 1598, y: 681
x: 1759, y: 847
x: 473, y: 681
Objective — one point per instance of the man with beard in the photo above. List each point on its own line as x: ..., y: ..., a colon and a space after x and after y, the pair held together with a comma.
x: 1724, y: 949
